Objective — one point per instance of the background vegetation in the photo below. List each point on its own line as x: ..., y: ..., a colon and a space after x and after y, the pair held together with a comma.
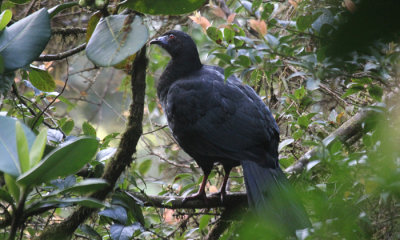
x: 86, y: 152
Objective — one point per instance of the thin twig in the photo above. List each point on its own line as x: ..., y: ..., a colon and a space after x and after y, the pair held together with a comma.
x: 169, y: 161
x: 155, y: 130
x: 54, y: 99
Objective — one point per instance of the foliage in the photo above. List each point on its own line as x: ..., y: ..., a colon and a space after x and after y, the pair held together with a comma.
x: 57, y: 136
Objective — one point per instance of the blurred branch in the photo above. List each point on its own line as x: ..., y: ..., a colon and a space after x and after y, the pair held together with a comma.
x: 121, y: 159
x: 59, y: 56
x: 172, y: 202
x: 68, y: 31
x: 169, y: 161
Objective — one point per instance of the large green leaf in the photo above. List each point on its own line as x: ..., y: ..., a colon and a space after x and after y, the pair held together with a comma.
x: 22, y: 42
x: 22, y: 148
x: 87, y: 186
x: 61, y: 162
x: 116, y: 38
x: 162, y: 7
x: 9, y: 162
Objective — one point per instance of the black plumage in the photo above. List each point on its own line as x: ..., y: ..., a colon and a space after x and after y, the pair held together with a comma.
x: 215, y: 120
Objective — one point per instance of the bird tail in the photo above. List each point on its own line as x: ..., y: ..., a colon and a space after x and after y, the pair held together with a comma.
x: 274, y: 200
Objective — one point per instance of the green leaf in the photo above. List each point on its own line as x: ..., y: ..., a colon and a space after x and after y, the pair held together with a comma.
x: 122, y: 232
x: 90, y: 231
x: 162, y: 7
x: 300, y: 93
x: 229, y: 35
x: 363, y: 80
x: 182, y: 176
x: 8, y: 145
x: 37, y: 149
x: 350, y: 91
x: 58, y: 8
x: 229, y: 71
x: 87, y: 186
x: 224, y: 57
x: 203, y: 223
x: 61, y: 162
x: 68, y: 126
x: 131, y: 204
x: 145, y: 166
x: 215, y: 34
x: 298, y: 134
x: 117, y: 213
x: 243, y: 60
x: 41, y: 79
x: 376, y: 92
x: 116, y: 38
x: 5, y: 196
x: 303, y: 121
x: 92, y: 23
x: 88, y: 129
x: 5, y: 18
x: 67, y: 102
x: 304, y: 22
x: 12, y: 186
x: 22, y: 147
x: 24, y: 41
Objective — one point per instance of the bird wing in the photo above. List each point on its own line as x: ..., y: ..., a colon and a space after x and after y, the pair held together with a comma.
x: 221, y: 118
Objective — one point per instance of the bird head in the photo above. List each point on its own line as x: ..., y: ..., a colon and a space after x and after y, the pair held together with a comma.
x: 176, y: 43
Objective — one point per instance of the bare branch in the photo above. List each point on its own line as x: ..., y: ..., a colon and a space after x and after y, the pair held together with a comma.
x: 60, y: 56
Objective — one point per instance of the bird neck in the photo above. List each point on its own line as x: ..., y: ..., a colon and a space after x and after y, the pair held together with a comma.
x: 178, y: 67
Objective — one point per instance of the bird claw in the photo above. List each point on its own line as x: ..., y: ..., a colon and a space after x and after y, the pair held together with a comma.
x: 197, y: 196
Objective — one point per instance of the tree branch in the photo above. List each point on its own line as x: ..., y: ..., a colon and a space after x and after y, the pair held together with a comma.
x: 59, y: 56
x: 348, y: 130
x: 173, y: 202
x: 119, y: 162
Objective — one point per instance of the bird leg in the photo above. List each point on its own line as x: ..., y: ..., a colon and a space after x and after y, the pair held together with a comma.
x: 222, y: 191
x: 201, y: 194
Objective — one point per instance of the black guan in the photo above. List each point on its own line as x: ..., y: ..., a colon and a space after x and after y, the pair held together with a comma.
x: 225, y: 121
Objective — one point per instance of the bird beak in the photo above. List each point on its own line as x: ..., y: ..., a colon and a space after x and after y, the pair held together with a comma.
x: 163, y: 40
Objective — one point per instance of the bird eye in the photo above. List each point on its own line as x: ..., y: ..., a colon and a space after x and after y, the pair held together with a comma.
x: 171, y: 36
